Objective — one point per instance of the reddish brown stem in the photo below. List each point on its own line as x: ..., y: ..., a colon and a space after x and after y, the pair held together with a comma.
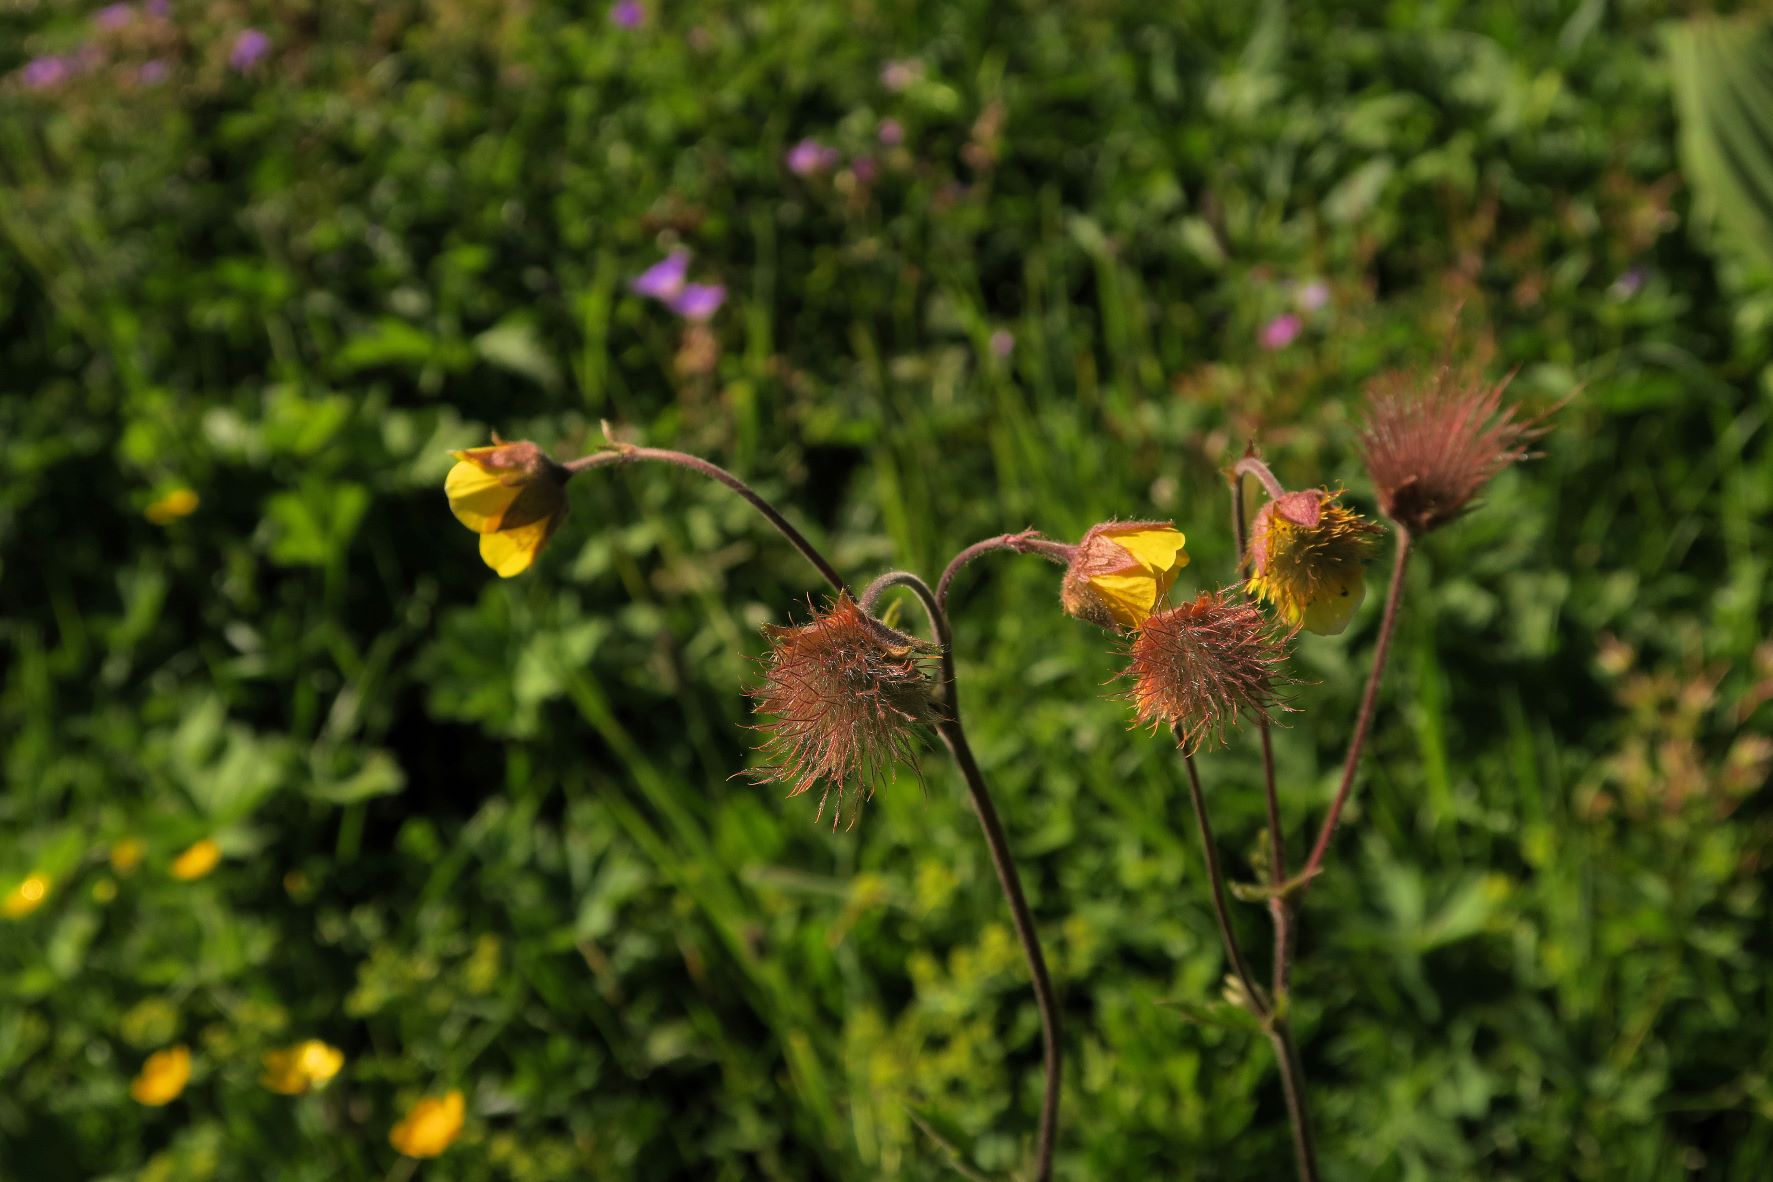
x: 1028, y: 541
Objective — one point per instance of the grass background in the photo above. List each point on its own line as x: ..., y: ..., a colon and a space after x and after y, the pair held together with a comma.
x: 484, y: 834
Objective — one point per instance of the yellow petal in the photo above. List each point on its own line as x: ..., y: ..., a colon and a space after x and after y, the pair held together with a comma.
x: 1129, y: 598
x: 477, y: 497
x: 430, y: 1126
x: 1155, y: 549
x: 1329, y: 614
x: 511, y: 551
x: 162, y: 1077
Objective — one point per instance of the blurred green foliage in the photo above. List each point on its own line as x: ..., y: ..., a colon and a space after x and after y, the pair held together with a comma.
x: 484, y: 834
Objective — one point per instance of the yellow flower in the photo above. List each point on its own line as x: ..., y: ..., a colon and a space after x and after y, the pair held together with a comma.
x: 197, y: 861
x: 1120, y: 570
x: 430, y: 1126
x: 26, y: 897
x: 127, y: 854
x: 163, y: 1077
x: 1309, y: 557
x: 293, y: 1070
x: 513, y: 496
x: 180, y: 502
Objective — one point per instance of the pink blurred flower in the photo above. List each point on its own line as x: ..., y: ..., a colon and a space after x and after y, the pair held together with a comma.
x: 42, y: 73
x: 152, y: 72
x: 865, y: 169
x: 892, y: 132
x: 113, y: 16
x: 810, y: 156
x: 900, y: 73
x: 1313, y: 295
x: 250, y: 48
x: 627, y: 13
x: 1003, y: 343
x: 1282, y: 331
x: 698, y: 301
x: 664, y: 279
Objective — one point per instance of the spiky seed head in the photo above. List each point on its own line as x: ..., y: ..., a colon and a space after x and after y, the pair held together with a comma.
x: 1308, y: 558
x: 1200, y: 667
x: 1431, y: 446
x: 843, y: 701
x: 1121, y: 570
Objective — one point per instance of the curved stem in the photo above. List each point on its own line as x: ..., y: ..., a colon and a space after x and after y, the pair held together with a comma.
x: 1028, y: 541
x: 954, y: 737
x: 1249, y: 465
x: 628, y: 453
x: 1216, y: 880
x: 1364, y: 722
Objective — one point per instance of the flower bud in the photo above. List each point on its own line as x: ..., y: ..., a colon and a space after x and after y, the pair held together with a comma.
x: 845, y: 698
x: 1121, y: 570
x: 512, y: 495
x: 1308, y: 558
x: 1200, y: 667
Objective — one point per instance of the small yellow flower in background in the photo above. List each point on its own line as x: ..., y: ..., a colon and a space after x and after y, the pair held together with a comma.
x: 197, y: 861
x: 293, y: 1070
x: 162, y: 1077
x: 127, y: 854
x: 1121, y: 570
x: 513, y: 496
x: 1308, y: 556
x: 26, y: 897
x: 180, y: 502
x: 430, y: 1126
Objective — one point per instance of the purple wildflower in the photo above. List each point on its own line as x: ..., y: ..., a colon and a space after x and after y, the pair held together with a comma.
x: 892, y: 132
x: 1628, y: 284
x: 810, y: 156
x: 1313, y: 295
x: 113, y: 16
x: 1003, y: 343
x: 160, y: 8
x: 865, y: 168
x: 152, y: 73
x: 698, y: 301
x: 664, y: 279
x: 1282, y: 331
x: 250, y: 48
x: 627, y: 13
x: 42, y: 73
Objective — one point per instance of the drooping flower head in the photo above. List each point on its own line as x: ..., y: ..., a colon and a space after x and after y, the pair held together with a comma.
x: 430, y: 1126
x: 511, y: 494
x: 844, y: 698
x: 1120, y: 570
x: 162, y: 1077
x: 291, y: 1071
x: 1200, y: 667
x: 1431, y: 447
x: 1308, y: 558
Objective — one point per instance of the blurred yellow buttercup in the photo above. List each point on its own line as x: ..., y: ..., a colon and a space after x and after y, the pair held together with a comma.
x: 162, y: 1077
x: 198, y: 860
x: 430, y: 1126
x: 293, y: 1070
x: 180, y: 502
x: 127, y: 854
x: 513, y: 496
x: 26, y: 897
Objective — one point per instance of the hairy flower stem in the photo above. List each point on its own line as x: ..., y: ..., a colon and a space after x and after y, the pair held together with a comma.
x: 627, y: 453
x: 1028, y: 541
x: 954, y: 736
x: 1273, y: 1019
x: 1364, y: 722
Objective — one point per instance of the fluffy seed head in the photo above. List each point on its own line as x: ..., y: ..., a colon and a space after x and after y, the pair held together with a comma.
x: 1308, y: 557
x: 1430, y: 447
x: 844, y: 700
x: 1199, y: 667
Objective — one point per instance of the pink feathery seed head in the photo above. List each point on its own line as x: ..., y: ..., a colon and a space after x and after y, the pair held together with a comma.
x: 250, y: 48
x: 698, y: 302
x: 1203, y: 666
x: 1280, y: 332
x: 843, y: 701
x: 1431, y: 446
x: 809, y: 156
x: 664, y: 279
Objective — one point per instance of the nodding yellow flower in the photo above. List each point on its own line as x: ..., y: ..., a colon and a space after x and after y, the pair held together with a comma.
x: 430, y: 1126
x: 162, y: 1077
x: 180, y: 502
x: 1121, y: 570
x: 196, y: 861
x: 1308, y: 556
x: 26, y: 897
x: 513, y: 496
x: 127, y: 854
x: 293, y: 1070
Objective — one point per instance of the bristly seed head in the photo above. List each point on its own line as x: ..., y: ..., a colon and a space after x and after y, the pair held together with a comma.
x: 844, y: 701
x: 1200, y: 667
x: 1430, y: 447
